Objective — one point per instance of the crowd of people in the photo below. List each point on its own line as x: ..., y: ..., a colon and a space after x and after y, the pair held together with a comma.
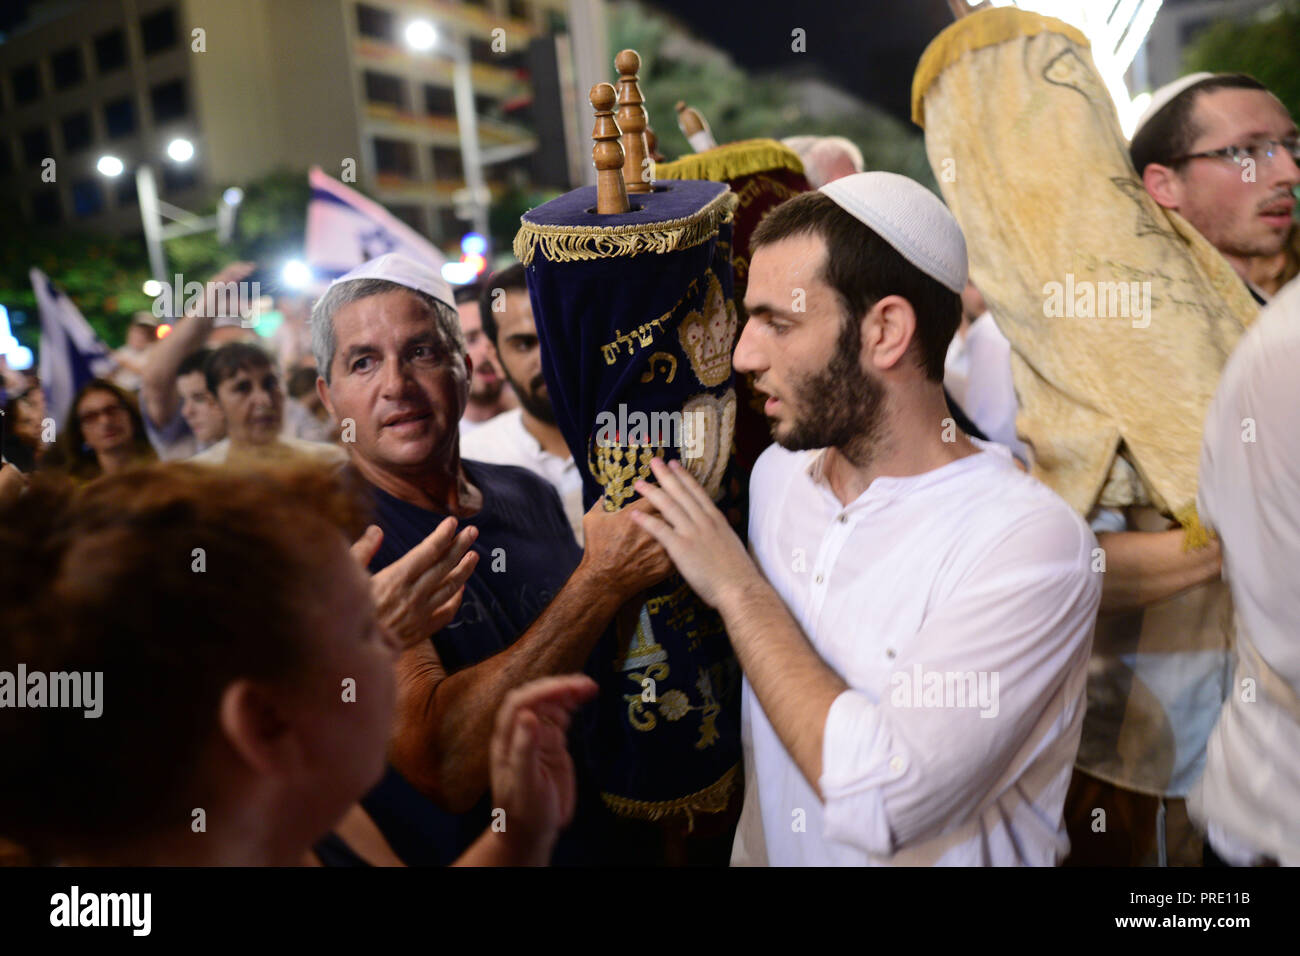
x: 342, y: 601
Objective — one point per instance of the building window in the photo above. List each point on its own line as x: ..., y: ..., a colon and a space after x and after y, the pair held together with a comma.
x: 518, y: 9
x: 447, y: 165
x: 27, y: 83
x: 119, y: 117
x: 450, y: 226
x: 480, y: 51
x: 439, y: 100
x: 87, y: 200
x: 413, y: 216
x: 158, y: 31
x: 67, y: 67
x: 126, y: 191
x: 110, y: 51
x: 375, y: 24
x: 46, y: 208
x: 394, y: 157
x: 168, y: 101
x: 556, y: 22
x: 382, y: 88
x: 179, y: 178
x: 77, y: 132
x: 36, y: 145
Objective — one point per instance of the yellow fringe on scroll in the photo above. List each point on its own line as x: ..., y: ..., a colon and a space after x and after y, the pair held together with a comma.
x: 725, y: 163
x: 579, y: 243
x: 1024, y: 141
x: 712, y: 799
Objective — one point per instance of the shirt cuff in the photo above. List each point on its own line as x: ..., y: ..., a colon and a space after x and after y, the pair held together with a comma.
x: 857, y: 761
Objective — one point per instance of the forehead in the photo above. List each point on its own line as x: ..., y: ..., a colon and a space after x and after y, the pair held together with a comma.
x: 1231, y: 113
x: 388, y: 316
x: 517, y: 317
x: 256, y: 372
x: 98, y: 399
x: 470, y: 321
x: 778, y: 268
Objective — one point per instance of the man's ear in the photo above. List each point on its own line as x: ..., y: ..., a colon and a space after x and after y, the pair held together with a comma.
x: 1163, y: 185
x: 255, y: 728
x: 323, y: 393
x: 887, y: 332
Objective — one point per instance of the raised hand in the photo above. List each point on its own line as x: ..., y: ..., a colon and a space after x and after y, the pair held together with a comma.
x: 419, y: 594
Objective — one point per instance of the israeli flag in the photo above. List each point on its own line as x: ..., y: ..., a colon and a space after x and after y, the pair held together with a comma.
x: 345, y: 229
x: 71, y: 353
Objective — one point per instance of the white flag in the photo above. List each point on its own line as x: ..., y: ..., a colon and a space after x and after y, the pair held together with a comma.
x: 71, y: 352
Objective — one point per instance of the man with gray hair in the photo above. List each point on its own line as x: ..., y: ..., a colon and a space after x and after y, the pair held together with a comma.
x: 395, y: 376
x: 826, y: 158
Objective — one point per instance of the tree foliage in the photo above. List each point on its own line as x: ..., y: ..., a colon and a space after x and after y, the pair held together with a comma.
x: 1267, y: 48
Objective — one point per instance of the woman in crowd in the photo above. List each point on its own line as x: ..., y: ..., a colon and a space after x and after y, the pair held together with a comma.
x: 104, y: 434
x: 235, y: 710
x: 23, y: 425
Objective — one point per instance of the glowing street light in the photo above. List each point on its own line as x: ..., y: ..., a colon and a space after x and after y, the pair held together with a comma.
x: 180, y: 150
x: 152, y: 288
x: 110, y: 166
x: 421, y: 35
x: 296, y: 274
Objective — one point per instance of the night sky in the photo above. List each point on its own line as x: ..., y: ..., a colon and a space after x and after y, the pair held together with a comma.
x: 868, y: 47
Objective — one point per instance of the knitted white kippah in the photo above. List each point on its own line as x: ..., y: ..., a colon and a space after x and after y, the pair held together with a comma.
x: 910, y: 218
x: 405, y: 272
x: 1164, y: 96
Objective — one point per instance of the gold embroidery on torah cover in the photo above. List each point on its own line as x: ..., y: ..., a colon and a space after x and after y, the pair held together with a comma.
x: 1026, y: 147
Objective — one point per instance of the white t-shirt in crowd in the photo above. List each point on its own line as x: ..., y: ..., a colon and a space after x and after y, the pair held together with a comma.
x: 977, y: 374
x: 958, y: 605
x: 504, y: 440
x: 295, y: 447
x: 1250, y: 495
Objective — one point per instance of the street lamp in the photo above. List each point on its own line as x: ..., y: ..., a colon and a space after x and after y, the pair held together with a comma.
x: 152, y: 208
x: 180, y: 150
x: 421, y: 36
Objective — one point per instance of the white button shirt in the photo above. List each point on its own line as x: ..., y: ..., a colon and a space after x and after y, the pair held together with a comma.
x: 1250, y: 494
x: 958, y: 605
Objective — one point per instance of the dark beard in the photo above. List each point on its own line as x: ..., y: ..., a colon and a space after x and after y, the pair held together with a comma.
x: 533, y: 403
x: 840, y: 406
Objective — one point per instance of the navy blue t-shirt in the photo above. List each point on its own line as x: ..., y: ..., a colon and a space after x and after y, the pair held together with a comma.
x: 526, y: 553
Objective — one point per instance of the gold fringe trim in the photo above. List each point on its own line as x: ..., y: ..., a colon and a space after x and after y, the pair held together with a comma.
x: 986, y: 28
x: 1195, y: 534
x: 725, y: 163
x: 578, y: 243
x: 712, y: 799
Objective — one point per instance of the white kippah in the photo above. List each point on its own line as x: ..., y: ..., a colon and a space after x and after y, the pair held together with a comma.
x: 910, y: 218
x: 1164, y: 96
x: 405, y: 272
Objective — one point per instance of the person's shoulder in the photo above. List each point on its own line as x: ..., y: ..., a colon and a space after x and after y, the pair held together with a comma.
x: 1012, y: 503
x: 214, y: 454
x: 511, y: 479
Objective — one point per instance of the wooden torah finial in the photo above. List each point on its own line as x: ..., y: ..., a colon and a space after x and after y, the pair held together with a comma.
x: 607, y: 154
x: 652, y: 144
x: 695, y: 127
x: 638, y: 175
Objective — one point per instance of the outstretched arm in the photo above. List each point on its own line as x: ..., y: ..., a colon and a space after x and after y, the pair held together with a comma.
x: 444, y: 722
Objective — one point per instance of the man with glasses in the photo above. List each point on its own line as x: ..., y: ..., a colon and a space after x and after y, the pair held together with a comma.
x: 1221, y: 151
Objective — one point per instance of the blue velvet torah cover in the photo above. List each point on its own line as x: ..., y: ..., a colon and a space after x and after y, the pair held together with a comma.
x: 637, y: 325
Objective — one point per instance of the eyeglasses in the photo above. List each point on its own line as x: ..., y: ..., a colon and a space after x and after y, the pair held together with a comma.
x: 1258, y: 152
x: 89, y: 418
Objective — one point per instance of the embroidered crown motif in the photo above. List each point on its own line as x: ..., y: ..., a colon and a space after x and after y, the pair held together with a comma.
x: 707, y: 337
